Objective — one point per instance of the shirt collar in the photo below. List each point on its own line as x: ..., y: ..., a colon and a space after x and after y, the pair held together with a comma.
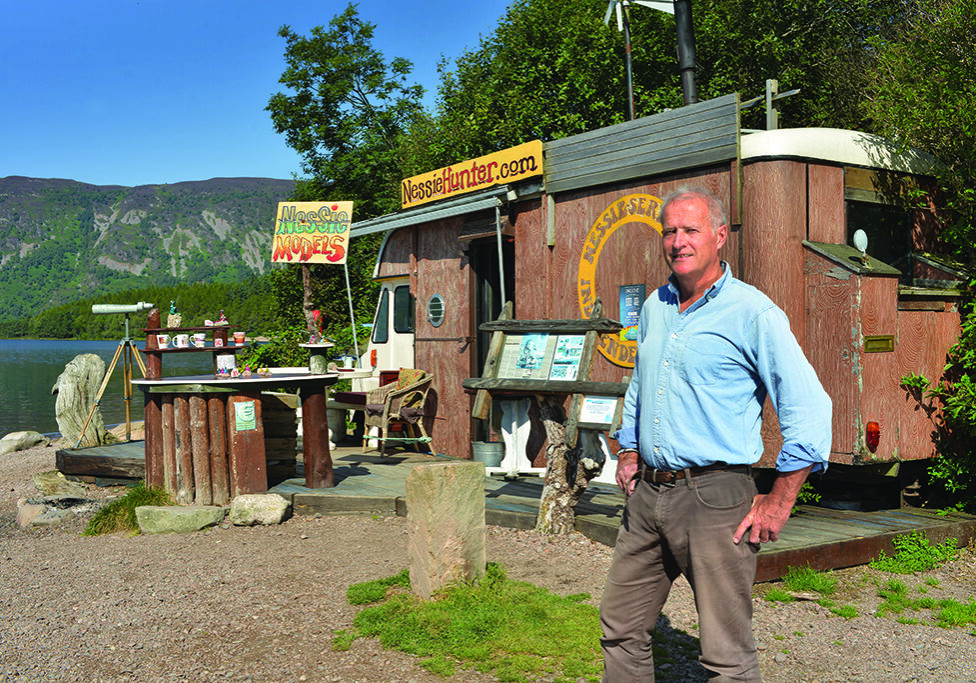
x: 710, y: 293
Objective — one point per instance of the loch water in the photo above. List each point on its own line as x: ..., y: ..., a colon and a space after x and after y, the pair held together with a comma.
x: 30, y: 368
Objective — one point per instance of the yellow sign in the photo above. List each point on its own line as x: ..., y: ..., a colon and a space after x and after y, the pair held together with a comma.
x: 509, y: 165
x: 312, y: 232
x: 639, y: 208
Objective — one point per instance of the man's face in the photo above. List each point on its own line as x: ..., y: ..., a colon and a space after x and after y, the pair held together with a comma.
x: 690, y: 245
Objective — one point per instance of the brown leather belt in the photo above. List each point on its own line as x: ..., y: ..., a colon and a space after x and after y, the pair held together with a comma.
x: 656, y: 476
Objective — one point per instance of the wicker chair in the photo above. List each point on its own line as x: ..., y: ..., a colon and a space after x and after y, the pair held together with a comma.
x: 399, y: 403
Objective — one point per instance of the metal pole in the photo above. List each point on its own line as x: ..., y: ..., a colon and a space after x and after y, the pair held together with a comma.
x: 686, y: 49
x: 501, y: 259
x: 352, y: 315
x: 630, y: 73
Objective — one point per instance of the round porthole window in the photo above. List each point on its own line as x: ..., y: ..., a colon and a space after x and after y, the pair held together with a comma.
x: 435, y: 310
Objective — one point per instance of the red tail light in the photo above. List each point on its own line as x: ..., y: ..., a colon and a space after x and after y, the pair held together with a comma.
x: 872, y: 434
x: 372, y: 358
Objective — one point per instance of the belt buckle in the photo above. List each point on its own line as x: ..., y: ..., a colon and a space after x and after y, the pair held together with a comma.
x: 670, y: 478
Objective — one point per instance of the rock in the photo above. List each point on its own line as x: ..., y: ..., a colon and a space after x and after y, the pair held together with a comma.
x: 447, y: 537
x: 77, y: 388
x: 53, y: 483
x: 21, y: 441
x: 28, y: 512
x: 37, y: 514
x: 177, y: 519
x: 258, y: 508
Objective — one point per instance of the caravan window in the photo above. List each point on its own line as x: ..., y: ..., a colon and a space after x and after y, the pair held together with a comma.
x: 403, y: 310
x: 381, y: 326
x: 889, y: 231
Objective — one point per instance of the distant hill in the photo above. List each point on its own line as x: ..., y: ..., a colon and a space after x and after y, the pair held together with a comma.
x: 62, y: 240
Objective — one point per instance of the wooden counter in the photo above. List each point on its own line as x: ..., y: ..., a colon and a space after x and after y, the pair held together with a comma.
x: 205, y: 436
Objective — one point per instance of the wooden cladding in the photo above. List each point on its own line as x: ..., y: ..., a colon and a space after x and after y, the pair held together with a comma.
x: 693, y: 136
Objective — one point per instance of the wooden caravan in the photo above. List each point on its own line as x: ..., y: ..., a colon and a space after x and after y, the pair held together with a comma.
x: 585, y: 225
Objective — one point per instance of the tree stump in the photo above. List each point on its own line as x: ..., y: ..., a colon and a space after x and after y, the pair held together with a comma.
x: 567, y: 475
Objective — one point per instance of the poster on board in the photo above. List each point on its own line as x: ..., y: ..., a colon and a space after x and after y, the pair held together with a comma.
x: 312, y: 232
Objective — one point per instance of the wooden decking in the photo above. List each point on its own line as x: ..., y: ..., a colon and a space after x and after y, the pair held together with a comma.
x: 818, y: 537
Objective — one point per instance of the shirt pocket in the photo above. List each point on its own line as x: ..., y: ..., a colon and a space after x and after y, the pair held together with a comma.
x: 710, y: 359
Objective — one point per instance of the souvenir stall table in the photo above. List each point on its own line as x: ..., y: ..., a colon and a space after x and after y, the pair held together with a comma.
x: 205, y: 436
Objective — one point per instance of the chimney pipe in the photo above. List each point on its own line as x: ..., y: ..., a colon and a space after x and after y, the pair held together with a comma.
x: 686, y: 49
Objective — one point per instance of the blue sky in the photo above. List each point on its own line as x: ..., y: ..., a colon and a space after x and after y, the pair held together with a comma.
x: 136, y: 92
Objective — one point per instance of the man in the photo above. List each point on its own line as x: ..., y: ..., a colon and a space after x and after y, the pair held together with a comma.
x: 710, y: 349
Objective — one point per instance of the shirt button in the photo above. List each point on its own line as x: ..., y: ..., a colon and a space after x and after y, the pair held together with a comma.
x: 674, y: 335
x: 657, y: 450
x: 667, y: 363
x: 656, y: 420
x: 660, y: 391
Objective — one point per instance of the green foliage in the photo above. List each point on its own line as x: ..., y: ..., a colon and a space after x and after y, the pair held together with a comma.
x: 344, y: 113
x: 914, y: 553
x: 923, y: 85
x: 805, y: 579
x: 951, y: 404
x: 948, y: 613
x: 374, y: 591
x: 120, y: 514
x: 492, y: 625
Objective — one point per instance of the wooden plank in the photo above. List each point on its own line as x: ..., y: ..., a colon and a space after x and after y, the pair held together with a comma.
x: 570, y: 326
x: 184, y: 450
x: 200, y: 447
x: 169, y: 446
x: 217, y: 423
x: 87, y: 462
x: 246, y: 459
x: 153, y: 451
x: 545, y: 386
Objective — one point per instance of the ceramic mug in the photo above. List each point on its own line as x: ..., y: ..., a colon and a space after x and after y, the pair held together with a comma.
x: 238, y: 338
x: 162, y: 341
x: 200, y: 339
x: 182, y: 341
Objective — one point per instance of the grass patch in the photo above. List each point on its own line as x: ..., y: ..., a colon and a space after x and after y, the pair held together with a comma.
x: 914, y: 553
x: 947, y: 613
x: 806, y: 580
x: 120, y: 514
x: 490, y: 625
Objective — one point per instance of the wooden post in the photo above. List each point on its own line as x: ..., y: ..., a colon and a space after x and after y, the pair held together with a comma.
x: 199, y: 436
x: 184, y: 450
x: 154, y: 361
x: 246, y: 457
x: 315, y: 440
x: 218, y: 450
x: 155, y: 468
x: 170, y: 469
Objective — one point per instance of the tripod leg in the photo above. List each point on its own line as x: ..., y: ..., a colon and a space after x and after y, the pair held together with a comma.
x: 142, y: 364
x: 127, y: 391
x: 101, y: 390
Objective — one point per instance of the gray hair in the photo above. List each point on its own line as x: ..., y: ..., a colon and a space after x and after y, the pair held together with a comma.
x: 716, y: 211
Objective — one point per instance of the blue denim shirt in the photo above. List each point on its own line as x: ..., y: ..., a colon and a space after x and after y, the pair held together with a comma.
x: 702, y: 376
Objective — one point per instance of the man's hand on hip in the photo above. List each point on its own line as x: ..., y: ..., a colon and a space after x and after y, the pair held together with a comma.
x: 770, y: 511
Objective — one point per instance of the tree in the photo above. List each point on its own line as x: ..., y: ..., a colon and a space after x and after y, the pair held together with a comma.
x: 924, y: 89
x: 345, y: 114
x: 550, y: 70
x: 923, y: 95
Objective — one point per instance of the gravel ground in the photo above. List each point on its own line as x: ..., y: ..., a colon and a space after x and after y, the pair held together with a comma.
x: 262, y: 603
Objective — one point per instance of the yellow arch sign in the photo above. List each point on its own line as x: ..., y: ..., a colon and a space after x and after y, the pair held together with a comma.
x: 633, y: 208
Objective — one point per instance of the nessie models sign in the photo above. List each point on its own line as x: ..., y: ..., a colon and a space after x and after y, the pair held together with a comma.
x: 312, y: 232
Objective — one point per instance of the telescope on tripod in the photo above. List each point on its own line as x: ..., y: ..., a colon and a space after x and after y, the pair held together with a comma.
x: 127, y: 350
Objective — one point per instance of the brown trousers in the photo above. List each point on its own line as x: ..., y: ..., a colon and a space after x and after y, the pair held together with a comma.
x: 682, y: 529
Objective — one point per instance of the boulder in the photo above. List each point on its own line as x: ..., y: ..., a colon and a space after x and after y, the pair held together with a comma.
x: 177, y: 519
x: 21, y: 441
x: 447, y: 536
x: 30, y: 513
x: 77, y: 388
x: 258, y: 508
